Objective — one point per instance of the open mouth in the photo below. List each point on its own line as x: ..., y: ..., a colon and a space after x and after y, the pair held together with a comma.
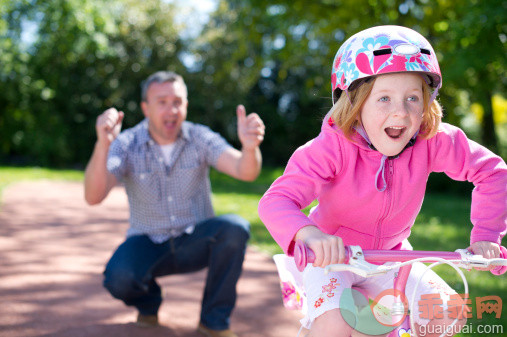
x: 395, y: 132
x: 170, y: 124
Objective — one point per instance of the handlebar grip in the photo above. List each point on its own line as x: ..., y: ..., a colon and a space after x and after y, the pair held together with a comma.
x: 499, y: 270
x: 302, y: 255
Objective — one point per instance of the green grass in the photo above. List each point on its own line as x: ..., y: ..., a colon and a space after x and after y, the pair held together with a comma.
x: 443, y: 224
x: 9, y: 175
x: 233, y: 196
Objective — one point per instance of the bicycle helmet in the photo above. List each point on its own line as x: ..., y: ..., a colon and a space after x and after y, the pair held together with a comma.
x: 383, y: 50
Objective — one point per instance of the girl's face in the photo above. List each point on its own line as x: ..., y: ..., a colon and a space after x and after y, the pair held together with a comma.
x: 392, y: 113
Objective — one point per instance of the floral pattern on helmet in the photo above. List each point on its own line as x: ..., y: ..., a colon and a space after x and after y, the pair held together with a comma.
x: 356, y: 57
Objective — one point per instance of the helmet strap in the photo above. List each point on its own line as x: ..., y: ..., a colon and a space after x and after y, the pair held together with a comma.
x: 362, y: 132
x: 348, y: 96
x: 434, y: 94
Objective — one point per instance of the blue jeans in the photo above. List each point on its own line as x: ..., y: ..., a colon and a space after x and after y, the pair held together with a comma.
x: 218, y: 243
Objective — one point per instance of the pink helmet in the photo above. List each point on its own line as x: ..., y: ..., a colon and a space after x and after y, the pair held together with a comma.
x: 382, y: 50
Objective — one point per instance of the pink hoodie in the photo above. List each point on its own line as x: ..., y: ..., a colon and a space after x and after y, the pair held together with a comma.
x: 341, y: 175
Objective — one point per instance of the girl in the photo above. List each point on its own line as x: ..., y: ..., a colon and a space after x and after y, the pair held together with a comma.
x: 368, y: 170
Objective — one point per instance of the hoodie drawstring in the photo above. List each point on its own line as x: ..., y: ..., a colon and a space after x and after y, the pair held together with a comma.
x: 381, y: 170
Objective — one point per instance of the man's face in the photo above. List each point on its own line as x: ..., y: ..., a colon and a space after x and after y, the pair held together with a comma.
x: 166, y: 109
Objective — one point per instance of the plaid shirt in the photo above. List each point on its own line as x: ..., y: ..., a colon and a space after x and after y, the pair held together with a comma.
x: 166, y: 200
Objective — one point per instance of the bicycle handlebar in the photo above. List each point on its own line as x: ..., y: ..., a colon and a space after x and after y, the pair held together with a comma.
x: 304, y: 255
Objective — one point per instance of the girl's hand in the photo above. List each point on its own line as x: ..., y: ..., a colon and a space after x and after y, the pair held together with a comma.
x: 328, y: 249
x: 488, y: 250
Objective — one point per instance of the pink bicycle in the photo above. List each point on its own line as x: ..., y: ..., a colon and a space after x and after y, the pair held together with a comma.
x: 367, y: 263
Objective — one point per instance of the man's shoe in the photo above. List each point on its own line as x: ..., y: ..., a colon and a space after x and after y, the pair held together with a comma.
x: 147, y: 321
x: 215, y: 333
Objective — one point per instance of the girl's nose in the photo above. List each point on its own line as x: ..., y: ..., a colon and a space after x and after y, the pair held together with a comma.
x: 401, y: 108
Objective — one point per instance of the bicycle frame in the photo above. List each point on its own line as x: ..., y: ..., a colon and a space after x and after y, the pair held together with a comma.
x: 367, y: 264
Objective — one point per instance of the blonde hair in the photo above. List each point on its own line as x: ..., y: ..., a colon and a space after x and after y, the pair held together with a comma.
x: 346, y: 115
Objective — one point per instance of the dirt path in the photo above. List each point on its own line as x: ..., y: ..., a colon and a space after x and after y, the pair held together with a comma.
x: 53, y: 248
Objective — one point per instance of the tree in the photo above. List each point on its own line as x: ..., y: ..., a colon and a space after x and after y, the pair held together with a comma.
x: 278, y: 54
x: 12, y: 73
x: 274, y: 56
x: 87, y: 55
x: 473, y: 47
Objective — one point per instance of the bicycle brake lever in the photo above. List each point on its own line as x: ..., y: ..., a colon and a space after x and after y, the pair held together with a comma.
x: 470, y: 260
x: 358, y: 265
x: 360, y: 269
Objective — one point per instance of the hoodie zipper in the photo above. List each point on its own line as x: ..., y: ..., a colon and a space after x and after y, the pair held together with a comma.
x: 387, y: 203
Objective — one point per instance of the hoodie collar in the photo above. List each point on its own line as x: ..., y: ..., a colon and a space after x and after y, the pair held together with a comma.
x: 361, y: 138
x: 381, y: 171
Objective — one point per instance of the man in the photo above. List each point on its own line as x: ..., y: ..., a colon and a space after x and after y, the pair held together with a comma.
x: 164, y: 164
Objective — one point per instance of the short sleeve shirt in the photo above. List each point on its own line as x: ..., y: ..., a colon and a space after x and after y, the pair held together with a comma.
x: 166, y: 199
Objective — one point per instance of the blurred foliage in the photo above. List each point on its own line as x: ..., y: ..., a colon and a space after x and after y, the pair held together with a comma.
x: 273, y: 56
x: 87, y: 55
x: 472, y: 40
x: 281, y: 52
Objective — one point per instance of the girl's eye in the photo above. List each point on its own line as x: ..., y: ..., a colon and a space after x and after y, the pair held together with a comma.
x: 413, y: 99
x: 384, y: 99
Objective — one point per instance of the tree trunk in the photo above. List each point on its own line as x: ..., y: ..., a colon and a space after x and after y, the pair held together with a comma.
x: 489, y: 138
